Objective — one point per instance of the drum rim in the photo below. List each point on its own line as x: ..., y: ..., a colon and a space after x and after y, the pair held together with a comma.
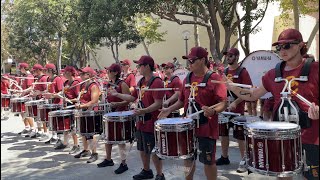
x: 106, y: 114
x: 64, y: 112
x: 19, y: 99
x: 49, y: 106
x: 188, y: 120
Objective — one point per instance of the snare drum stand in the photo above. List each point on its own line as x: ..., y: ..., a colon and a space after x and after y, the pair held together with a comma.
x: 139, y: 106
x: 192, y: 103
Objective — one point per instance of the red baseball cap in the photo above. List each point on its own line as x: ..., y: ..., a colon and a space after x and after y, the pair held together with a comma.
x: 145, y: 60
x: 288, y: 36
x: 114, y: 68
x: 88, y: 70
x: 37, y: 67
x: 103, y: 71
x: 233, y: 51
x: 125, y: 62
x: 196, y: 52
x: 50, y: 66
x: 23, y: 65
x: 169, y: 65
x: 70, y: 69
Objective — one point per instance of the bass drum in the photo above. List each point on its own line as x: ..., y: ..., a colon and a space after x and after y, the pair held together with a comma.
x: 258, y: 63
x: 181, y: 73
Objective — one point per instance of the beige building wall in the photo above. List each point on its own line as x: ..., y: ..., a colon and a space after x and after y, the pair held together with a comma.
x: 173, y: 46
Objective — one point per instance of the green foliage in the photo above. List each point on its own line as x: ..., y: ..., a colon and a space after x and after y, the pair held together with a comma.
x: 305, y: 7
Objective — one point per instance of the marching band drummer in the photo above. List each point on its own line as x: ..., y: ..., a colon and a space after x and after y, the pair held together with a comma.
x: 4, y: 91
x: 171, y: 81
x: 89, y: 96
x: 70, y: 94
x: 291, y: 49
x: 26, y: 85
x: 151, y: 102
x: 114, y: 73
x: 128, y: 75
x: 53, y: 90
x: 236, y: 74
x: 211, y: 94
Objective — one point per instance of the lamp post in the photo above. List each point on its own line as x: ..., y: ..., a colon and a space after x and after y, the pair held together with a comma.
x: 186, y: 36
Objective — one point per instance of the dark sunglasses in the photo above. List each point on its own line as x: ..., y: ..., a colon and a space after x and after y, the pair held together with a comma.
x: 139, y: 65
x: 82, y: 74
x: 192, y: 61
x: 284, y: 46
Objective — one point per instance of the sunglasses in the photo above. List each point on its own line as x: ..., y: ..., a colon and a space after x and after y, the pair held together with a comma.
x: 139, y: 65
x: 82, y: 74
x: 284, y: 46
x: 192, y: 61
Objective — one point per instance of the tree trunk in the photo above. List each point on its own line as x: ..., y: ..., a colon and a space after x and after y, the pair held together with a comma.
x: 296, y: 13
x: 59, y: 53
x: 145, y: 47
x: 313, y: 33
x: 196, y: 33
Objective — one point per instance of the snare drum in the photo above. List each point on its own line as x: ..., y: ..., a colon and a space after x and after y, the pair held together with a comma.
x: 44, y: 109
x: 273, y: 148
x: 174, y: 138
x: 5, y: 101
x: 88, y: 122
x: 223, y: 125
x: 61, y: 120
x: 238, y: 125
x: 32, y: 107
x: 18, y: 104
x: 119, y: 127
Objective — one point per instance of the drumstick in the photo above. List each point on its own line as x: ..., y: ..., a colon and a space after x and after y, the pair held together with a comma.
x: 63, y: 98
x: 302, y: 98
x: 235, y: 84
x: 26, y: 78
x: 42, y: 83
x: 68, y: 107
x: 159, y: 89
x: 79, y: 83
x: 201, y: 111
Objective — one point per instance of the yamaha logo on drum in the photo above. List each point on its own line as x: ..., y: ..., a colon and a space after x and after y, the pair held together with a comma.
x: 263, y: 58
x: 164, y: 146
x: 260, y: 155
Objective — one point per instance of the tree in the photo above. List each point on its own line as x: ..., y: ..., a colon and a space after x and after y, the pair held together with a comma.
x: 147, y: 27
x: 207, y: 13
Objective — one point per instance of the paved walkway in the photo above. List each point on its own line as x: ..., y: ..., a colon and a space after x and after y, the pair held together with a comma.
x: 26, y: 158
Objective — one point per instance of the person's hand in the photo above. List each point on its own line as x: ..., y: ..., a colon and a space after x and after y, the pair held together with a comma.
x: 313, y: 111
x: 114, y: 105
x: 112, y: 92
x: 165, y: 104
x: 77, y: 106
x: 139, y: 112
x: 227, y: 81
x: 208, y: 111
x: 232, y: 106
x: 164, y: 113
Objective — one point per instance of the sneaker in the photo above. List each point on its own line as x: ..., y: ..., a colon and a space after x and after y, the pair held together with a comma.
x: 51, y: 141
x: 34, y: 134
x: 121, y: 169
x: 144, y: 175
x: 74, y: 149
x: 105, y: 163
x: 93, y: 158
x: 44, y: 137
x: 25, y: 131
x: 58, y: 143
x: 84, y: 153
x: 16, y: 114
x: 60, y: 146
x: 222, y: 161
x: 160, y: 177
x: 242, y: 166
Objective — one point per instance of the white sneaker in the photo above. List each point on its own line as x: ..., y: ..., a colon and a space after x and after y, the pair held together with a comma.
x: 242, y: 166
x: 44, y: 137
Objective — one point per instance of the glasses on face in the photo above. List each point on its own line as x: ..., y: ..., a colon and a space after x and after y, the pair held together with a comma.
x: 284, y: 46
x: 82, y: 74
x: 139, y: 65
x: 192, y: 61
x: 230, y: 55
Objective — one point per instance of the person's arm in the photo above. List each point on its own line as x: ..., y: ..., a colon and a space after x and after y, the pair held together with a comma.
x: 164, y: 112
x: 172, y: 99
x: 125, y: 97
x: 125, y: 90
x: 235, y: 103
x: 248, y: 94
x: 153, y: 107
x: 95, y: 93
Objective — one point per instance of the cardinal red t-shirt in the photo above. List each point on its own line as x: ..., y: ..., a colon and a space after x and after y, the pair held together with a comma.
x: 55, y: 87
x: 4, y: 86
x: 175, y: 83
x: 148, y: 98
x: 309, y: 90
x: 116, y: 99
x: 130, y: 80
x: 244, y: 78
x: 26, y: 83
x: 212, y: 94
x: 71, y: 93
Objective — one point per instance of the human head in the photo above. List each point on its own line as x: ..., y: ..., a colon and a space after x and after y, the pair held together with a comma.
x: 145, y: 65
x: 37, y: 69
x: 232, y: 55
x: 50, y: 69
x: 197, y: 58
x: 168, y: 68
x: 69, y: 72
x: 86, y: 73
x: 114, y: 71
x: 23, y: 67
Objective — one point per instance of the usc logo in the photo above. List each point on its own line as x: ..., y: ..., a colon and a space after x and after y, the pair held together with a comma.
x: 195, y: 87
x: 230, y: 77
x: 49, y: 87
x: 294, y: 84
x: 142, y: 92
x: 166, y: 84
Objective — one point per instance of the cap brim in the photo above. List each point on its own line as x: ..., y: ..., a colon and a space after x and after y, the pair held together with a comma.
x: 284, y: 41
x: 225, y: 53
x: 137, y: 62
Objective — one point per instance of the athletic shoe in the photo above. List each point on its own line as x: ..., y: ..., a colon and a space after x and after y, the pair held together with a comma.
x: 74, y: 149
x: 144, y: 175
x: 84, y: 153
x: 93, y: 158
x: 25, y: 131
x: 121, y: 169
x: 160, y: 177
x: 222, y: 161
x: 60, y: 146
x: 105, y: 163
x: 242, y: 166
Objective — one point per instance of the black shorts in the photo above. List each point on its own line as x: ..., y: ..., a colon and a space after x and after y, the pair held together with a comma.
x: 145, y: 141
x: 230, y: 124
x: 312, y: 160
x: 207, y: 148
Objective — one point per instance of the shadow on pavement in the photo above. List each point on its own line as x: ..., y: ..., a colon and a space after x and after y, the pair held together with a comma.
x: 21, y: 147
x: 62, y: 157
x: 33, y: 154
x: 44, y: 164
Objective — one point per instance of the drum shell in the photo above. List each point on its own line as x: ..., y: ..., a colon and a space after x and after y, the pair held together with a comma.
x: 18, y: 104
x: 61, y: 120
x: 5, y: 101
x: 89, y: 122
x: 32, y: 107
x: 44, y: 109
x: 223, y: 125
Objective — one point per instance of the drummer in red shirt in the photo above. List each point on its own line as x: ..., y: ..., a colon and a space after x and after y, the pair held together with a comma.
x: 291, y: 49
x: 171, y: 81
x: 71, y: 95
x: 128, y: 75
x: 117, y: 105
x: 89, y: 97
x: 205, y: 97
x: 4, y: 91
x: 151, y: 102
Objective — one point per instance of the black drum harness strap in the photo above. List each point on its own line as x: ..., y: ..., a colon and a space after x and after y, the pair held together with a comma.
x: 192, y: 104
x: 140, y: 105
x: 169, y: 81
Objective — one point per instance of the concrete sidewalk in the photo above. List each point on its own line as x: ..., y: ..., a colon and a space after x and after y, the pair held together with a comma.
x: 26, y: 158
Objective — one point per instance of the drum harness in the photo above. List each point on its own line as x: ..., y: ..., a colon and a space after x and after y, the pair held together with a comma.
x: 289, y: 111
x: 166, y: 85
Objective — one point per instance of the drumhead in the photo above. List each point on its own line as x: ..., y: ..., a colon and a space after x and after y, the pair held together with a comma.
x: 81, y: 113
x: 230, y: 113
x: 20, y: 99
x: 258, y: 63
x: 174, y: 121
x: 245, y: 119
x: 60, y: 113
x: 49, y: 106
x: 181, y: 73
x: 118, y: 114
x: 265, y: 125
x: 222, y: 118
x: 35, y: 102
